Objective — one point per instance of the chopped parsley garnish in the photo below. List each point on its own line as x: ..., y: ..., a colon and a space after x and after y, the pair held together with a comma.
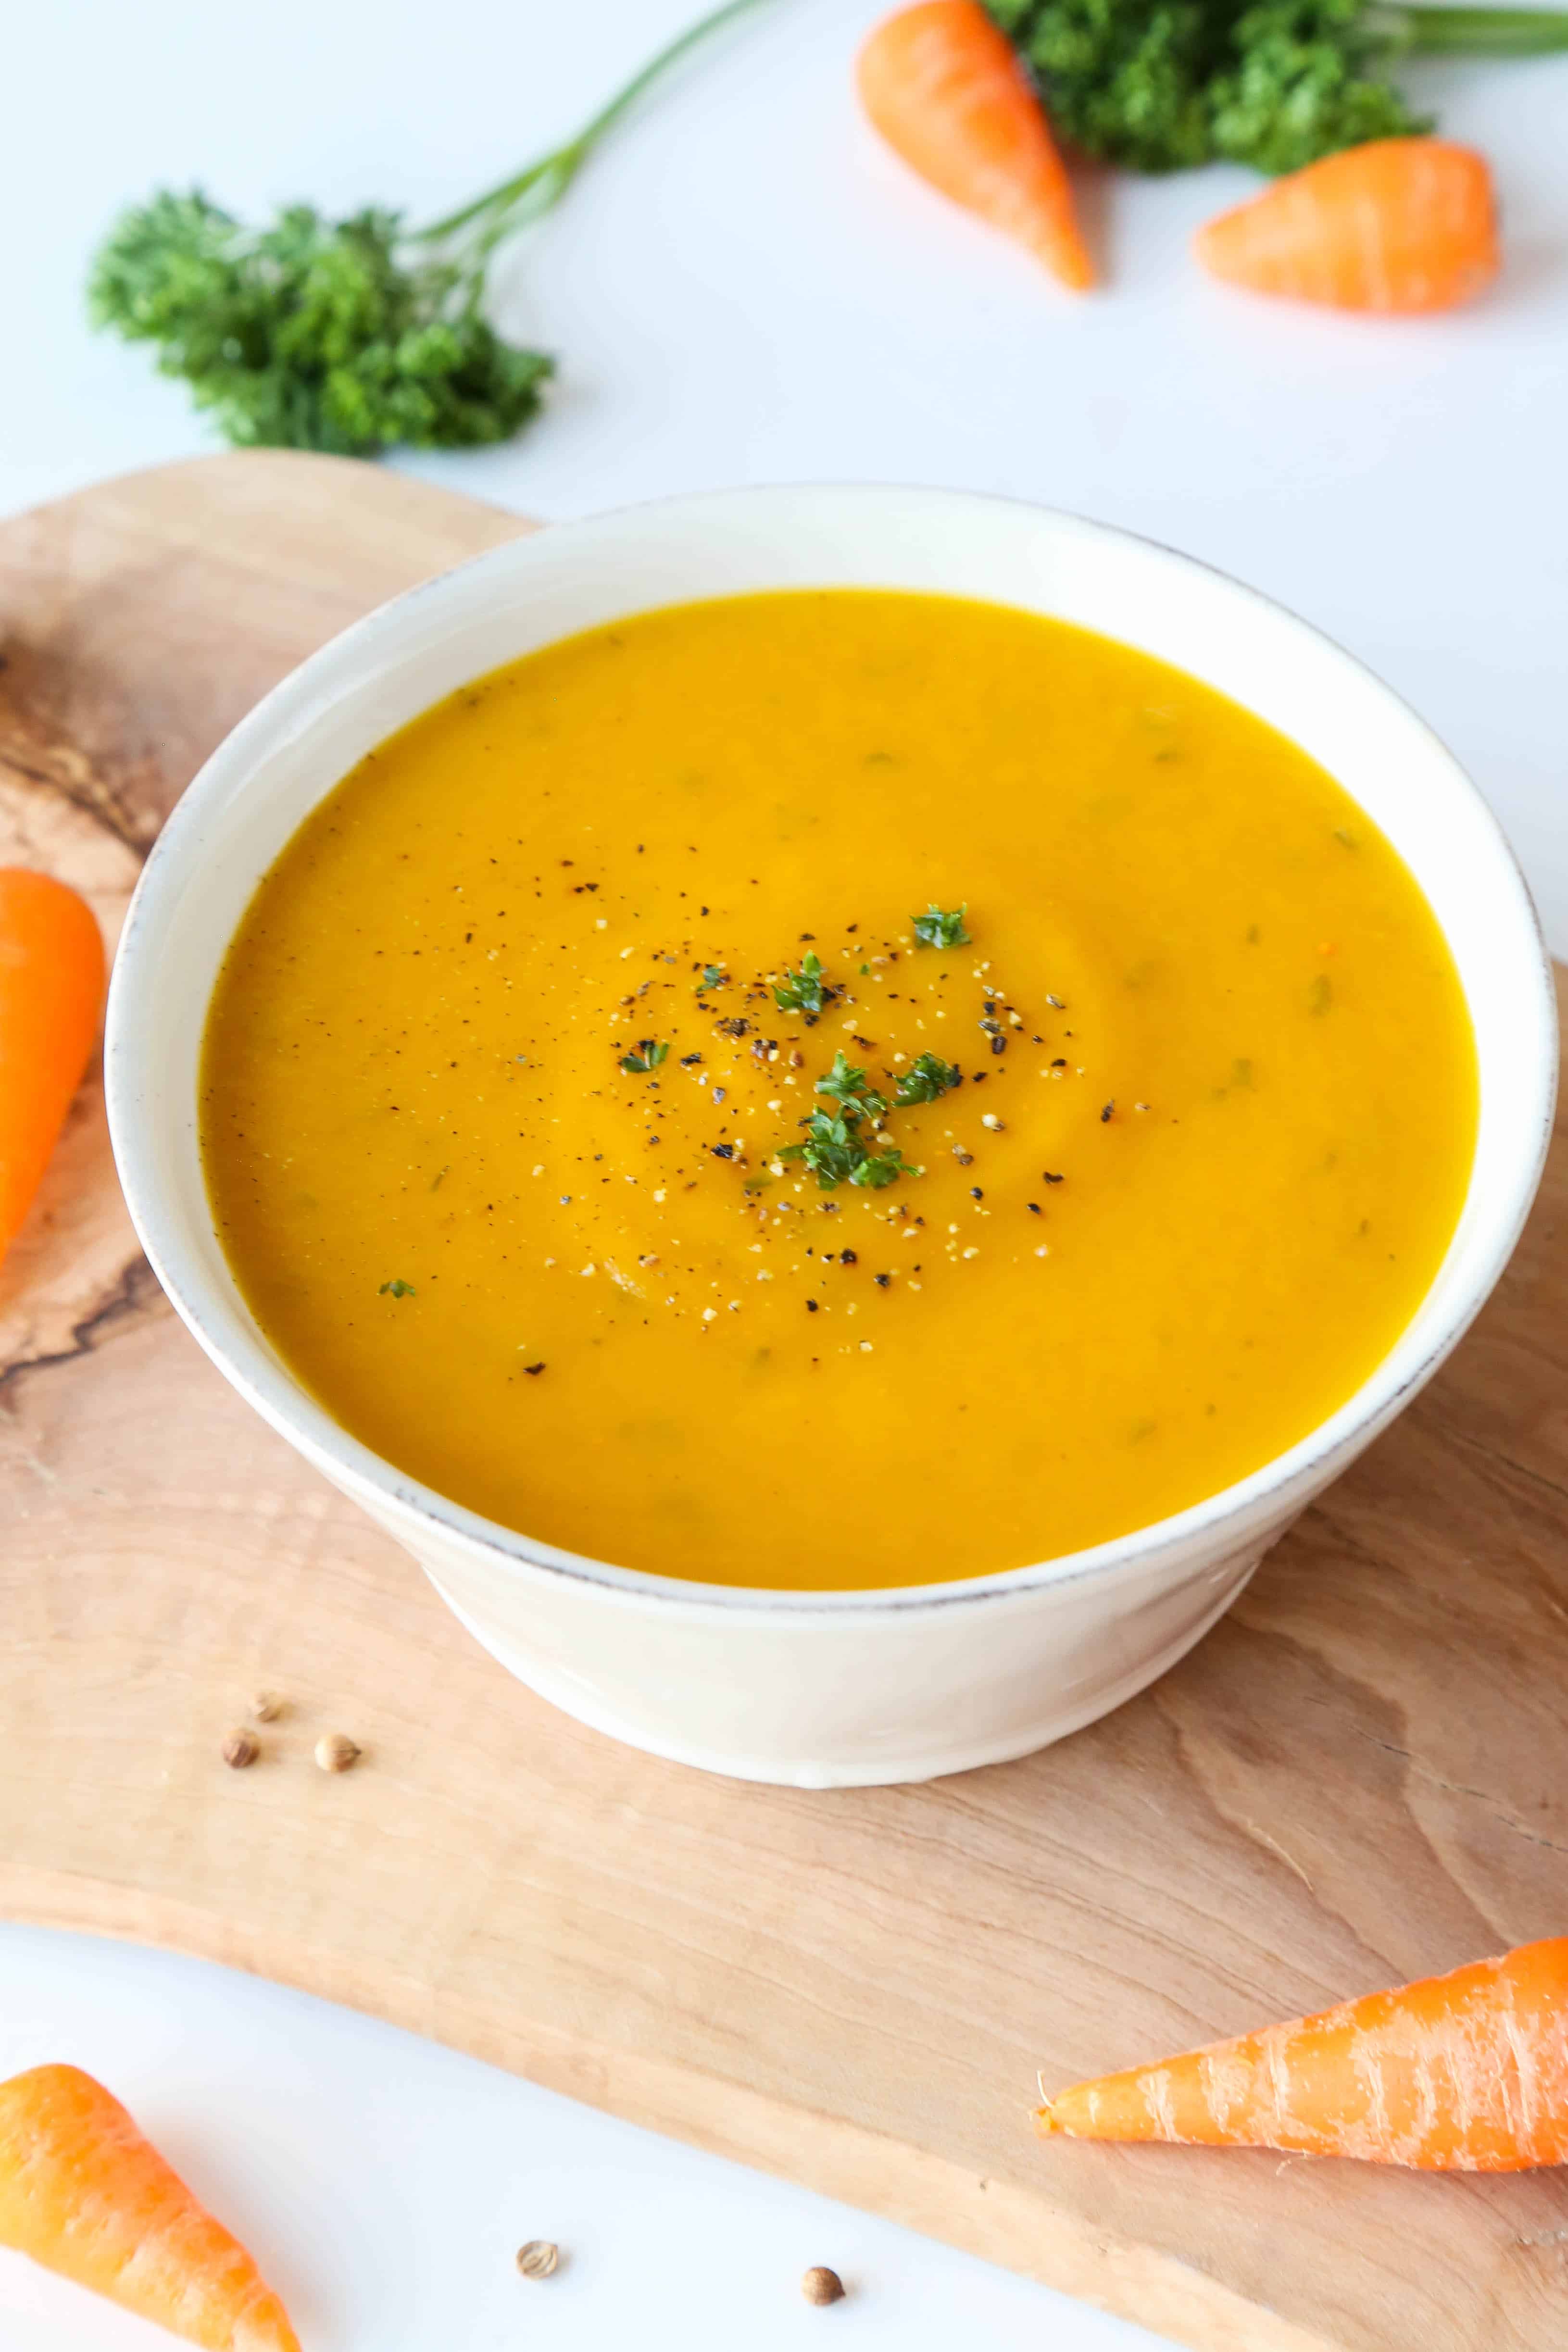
x: 935, y: 929
x: 835, y: 1154
x: 879, y: 1168
x: 834, y: 1149
x: 831, y: 1150
x: 847, y: 1087
x: 650, y: 1052
x: 397, y: 1289
x: 712, y: 976
x: 926, y: 1079
x: 802, y: 991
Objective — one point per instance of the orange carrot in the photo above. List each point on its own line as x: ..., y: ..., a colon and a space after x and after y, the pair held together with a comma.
x: 947, y: 92
x: 1466, y: 2072
x: 51, y: 992
x: 82, y: 2191
x: 1398, y: 225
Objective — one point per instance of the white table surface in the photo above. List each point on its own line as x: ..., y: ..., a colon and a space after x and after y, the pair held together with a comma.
x: 385, y: 2185
x: 744, y: 289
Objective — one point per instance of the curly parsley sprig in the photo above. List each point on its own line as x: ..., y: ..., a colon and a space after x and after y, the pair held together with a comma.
x: 804, y: 991
x: 349, y: 336
x: 846, y: 1086
x: 927, y: 1079
x: 936, y: 929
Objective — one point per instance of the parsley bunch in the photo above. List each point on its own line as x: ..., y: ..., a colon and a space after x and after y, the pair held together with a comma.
x: 313, y: 334
x: 349, y: 336
x: 1159, y: 85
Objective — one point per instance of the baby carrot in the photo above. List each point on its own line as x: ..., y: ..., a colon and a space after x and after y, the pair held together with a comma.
x: 83, y: 2192
x: 1466, y: 2072
x: 51, y: 990
x: 1401, y: 224
x: 947, y: 92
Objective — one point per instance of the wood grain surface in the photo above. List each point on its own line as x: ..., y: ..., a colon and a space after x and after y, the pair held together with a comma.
x: 1361, y: 1776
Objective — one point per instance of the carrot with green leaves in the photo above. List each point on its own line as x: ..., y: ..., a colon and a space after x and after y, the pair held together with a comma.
x: 1399, y: 225
x: 84, y: 2193
x: 948, y: 93
x: 51, y: 993
x: 1465, y: 2073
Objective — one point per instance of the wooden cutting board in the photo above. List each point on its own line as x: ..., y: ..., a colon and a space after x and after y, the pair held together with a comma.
x: 1361, y: 1776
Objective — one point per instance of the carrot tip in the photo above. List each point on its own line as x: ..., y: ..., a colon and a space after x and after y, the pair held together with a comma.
x: 943, y: 85
x: 1076, y: 272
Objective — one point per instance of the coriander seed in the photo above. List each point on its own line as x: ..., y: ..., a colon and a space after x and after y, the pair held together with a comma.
x: 267, y: 1706
x: 538, y: 2258
x: 821, y: 2285
x: 335, y: 1752
x: 240, y: 1748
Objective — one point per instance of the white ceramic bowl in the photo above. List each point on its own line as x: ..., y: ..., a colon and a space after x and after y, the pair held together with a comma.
x: 820, y: 1689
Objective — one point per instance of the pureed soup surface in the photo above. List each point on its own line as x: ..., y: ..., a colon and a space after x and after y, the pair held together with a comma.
x: 496, y: 1080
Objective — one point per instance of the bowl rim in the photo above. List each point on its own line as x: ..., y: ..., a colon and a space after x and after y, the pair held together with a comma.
x: 1261, y: 1503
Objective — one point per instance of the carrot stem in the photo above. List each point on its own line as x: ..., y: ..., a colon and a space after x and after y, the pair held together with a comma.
x: 1479, y: 32
x: 503, y: 209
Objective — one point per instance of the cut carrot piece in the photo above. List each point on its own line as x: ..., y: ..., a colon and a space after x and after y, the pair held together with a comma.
x: 1466, y: 2072
x: 945, y: 89
x: 83, y: 2192
x: 1401, y: 224
x: 51, y: 993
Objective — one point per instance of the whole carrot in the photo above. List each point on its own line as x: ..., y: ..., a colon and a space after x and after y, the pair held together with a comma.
x: 83, y: 2192
x: 947, y: 92
x: 1401, y: 224
x: 1466, y: 2072
x: 51, y: 992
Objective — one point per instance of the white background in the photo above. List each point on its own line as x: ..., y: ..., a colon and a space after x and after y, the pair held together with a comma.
x: 385, y: 2185
x: 743, y: 288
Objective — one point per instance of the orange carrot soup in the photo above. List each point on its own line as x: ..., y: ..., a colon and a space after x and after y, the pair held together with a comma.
x: 835, y: 1089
